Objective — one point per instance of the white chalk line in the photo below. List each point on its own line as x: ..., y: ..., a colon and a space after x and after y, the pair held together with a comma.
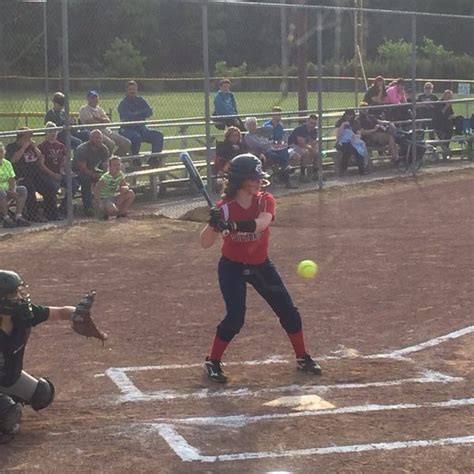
x: 130, y: 393
x: 188, y: 453
x: 277, y: 359
x: 239, y: 421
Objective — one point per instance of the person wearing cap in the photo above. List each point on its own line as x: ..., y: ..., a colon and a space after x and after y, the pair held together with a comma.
x: 425, y: 107
x: 93, y: 113
x: 225, y: 104
x: 57, y: 115
x: 27, y: 161
x: 134, y: 108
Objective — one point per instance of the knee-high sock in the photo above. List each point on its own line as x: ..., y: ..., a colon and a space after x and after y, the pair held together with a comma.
x: 218, y: 348
x: 297, y: 341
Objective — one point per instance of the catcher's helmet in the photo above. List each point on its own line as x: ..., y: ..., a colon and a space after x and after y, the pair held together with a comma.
x: 246, y: 166
x: 9, y: 282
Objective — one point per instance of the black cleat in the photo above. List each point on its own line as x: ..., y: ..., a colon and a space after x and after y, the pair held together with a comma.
x: 307, y: 364
x: 214, y: 370
x: 10, y: 421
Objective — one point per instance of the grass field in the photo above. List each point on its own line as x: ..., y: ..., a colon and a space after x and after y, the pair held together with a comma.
x: 169, y: 105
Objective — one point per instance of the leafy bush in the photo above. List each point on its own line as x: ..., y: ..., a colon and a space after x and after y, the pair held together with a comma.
x: 221, y: 69
x: 122, y: 59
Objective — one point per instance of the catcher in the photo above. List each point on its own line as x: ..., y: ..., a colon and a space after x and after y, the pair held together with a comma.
x: 17, y: 317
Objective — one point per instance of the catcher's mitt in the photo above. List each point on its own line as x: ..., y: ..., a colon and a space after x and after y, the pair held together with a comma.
x: 82, y: 321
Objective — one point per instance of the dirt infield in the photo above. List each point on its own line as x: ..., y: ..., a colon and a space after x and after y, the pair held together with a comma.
x: 389, y: 316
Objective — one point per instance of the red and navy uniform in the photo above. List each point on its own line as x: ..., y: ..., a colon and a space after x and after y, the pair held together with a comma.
x: 245, y: 261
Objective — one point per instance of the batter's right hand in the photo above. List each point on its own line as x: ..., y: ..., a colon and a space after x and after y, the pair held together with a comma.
x: 214, y: 217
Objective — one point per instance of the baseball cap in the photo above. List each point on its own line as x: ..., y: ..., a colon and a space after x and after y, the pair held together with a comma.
x: 93, y: 93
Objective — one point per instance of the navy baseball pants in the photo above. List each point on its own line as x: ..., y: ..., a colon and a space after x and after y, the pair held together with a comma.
x: 233, y: 279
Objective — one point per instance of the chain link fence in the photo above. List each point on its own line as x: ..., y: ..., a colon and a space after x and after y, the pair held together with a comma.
x: 297, y: 57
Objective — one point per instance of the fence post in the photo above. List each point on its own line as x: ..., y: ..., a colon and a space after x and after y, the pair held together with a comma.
x: 319, y: 27
x: 207, y: 89
x: 66, y: 87
x: 413, y: 90
x: 45, y: 42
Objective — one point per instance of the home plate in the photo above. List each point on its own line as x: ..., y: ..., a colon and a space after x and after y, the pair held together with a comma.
x: 301, y: 403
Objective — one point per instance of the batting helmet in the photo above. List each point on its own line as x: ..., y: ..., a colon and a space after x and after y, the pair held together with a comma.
x: 9, y: 282
x: 246, y: 166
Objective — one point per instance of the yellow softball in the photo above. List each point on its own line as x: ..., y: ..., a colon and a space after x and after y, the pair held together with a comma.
x: 307, y: 269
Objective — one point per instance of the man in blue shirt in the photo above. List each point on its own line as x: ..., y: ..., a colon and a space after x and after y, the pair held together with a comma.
x: 275, y: 125
x: 224, y: 104
x: 134, y: 108
x: 304, y: 140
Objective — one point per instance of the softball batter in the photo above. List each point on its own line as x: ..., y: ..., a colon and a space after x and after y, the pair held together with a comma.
x: 244, y: 216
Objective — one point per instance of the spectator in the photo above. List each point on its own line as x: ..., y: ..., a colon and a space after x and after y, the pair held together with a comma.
x: 275, y: 125
x: 225, y: 104
x: 134, y: 108
x: 268, y: 151
x: 54, y: 164
x: 376, y: 95
x: 350, y: 143
x: 27, y: 162
x: 375, y: 133
x: 425, y: 107
x: 90, y: 162
x: 112, y: 193
x: 93, y: 113
x: 57, y: 115
x: 396, y: 95
x: 304, y: 141
x: 229, y: 148
x: 9, y: 191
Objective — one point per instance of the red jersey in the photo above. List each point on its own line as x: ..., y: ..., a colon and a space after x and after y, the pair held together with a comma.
x: 247, y: 247
x: 54, y: 155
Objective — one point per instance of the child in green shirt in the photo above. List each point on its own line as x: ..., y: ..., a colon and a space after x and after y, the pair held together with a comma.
x: 112, y: 193
x: 10, y: 191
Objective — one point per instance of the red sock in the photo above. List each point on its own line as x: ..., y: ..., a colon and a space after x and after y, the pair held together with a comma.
x: 297, y: 341
x: 218, y: 348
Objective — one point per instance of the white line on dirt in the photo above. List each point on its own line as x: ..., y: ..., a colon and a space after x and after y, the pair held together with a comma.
x: 238, y: 421
x: 130, y: 393
x: 186, y: 452
x: 396, y: 354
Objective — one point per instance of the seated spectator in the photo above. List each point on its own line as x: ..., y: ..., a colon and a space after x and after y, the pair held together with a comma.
x: 134, y: 108
x: 112, y: 193
x: 376, y: 95
x: 396, y: 95
x: 57, y: 115
x: 275, y: 125
x: 425, y: 107
x: 268, y: 151
x: 375, y: 133
x: 90, y: 162
x: 93, y: 113
x: 229, y: 148
x: 9, y: 191
x: 225, y: 104
x: 304, y: 141
x: 54, y: 164
x: 445, y: 121
x: 350, y: 143
x: 27, y: 162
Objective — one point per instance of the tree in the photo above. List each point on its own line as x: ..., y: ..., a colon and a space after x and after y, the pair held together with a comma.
x: 122, y: 59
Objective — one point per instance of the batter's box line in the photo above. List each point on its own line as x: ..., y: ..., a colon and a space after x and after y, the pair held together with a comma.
x: 131, y: 393
x: 186, y: 452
